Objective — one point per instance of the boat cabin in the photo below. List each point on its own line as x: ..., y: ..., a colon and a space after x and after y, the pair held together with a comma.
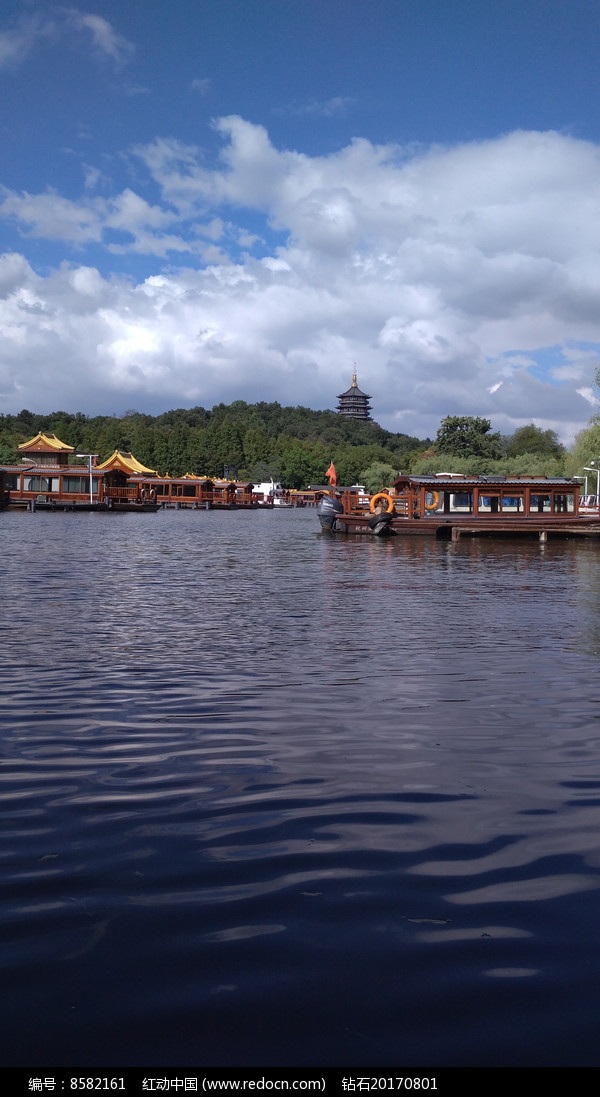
x: 432, y: 497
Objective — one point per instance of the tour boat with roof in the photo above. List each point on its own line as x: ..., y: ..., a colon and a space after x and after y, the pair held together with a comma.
x: 450, y: 506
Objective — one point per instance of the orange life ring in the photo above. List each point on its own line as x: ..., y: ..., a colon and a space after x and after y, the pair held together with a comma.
x: 436, y: 500
x: 382, y: 495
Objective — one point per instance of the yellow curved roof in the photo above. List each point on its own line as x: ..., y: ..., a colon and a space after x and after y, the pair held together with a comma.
x: 46, y: 443
x: 124, y: 462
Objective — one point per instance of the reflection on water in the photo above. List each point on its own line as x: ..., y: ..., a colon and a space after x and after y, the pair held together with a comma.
x: 274, y: 798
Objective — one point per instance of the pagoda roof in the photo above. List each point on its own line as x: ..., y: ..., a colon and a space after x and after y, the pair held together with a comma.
x: 122, y: 461
x: 354, y: 390
x: 45, y: 443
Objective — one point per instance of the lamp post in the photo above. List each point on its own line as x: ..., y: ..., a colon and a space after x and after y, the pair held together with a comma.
x: 90, y: 458
x: 596, y: 469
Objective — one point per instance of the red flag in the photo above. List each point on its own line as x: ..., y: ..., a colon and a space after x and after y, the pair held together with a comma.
x: 332, y: 475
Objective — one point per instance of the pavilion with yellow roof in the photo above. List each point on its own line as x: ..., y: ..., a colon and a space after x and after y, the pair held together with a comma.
x: 122, y: 461
x: 48, y: 476
x: 46, y: 449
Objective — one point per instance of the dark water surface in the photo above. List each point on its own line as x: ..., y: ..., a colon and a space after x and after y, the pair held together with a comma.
x: 275, y: 799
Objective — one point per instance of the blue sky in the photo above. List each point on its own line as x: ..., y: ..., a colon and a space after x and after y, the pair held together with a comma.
x: 210, y: 200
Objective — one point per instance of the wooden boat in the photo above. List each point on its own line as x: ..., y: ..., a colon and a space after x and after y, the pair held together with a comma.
x: 46, y: 480
x: 450, y: 506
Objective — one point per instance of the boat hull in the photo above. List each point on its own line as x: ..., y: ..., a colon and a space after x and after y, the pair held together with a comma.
x: 457, y: 526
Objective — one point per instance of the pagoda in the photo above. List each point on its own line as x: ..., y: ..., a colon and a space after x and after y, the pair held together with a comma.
x: 353, y: 403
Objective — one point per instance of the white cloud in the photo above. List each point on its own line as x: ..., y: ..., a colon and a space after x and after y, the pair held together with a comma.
x: 105, y: 40
x: 461, y: 280
x: 201, y: 84
x: 54, y: 218
x: 18, y: 41
x: 588, y: 394
x: 320, y: 108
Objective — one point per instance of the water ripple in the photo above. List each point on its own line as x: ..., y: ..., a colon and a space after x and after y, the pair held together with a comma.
x: 272, y: 798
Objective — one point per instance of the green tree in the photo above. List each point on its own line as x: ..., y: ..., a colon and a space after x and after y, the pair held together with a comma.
x: 377, y: 476
x: 532, y: 439
x: 467, y: 436
x: 296, y: 465
x: 585, y: 449
x: 256, y: 446
x: 262, y: 471
x: 230, y: 450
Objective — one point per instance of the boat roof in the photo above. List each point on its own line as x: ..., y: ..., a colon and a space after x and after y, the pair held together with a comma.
x: 47, y: 470
x: 458, y: 482
x: 327, y: 487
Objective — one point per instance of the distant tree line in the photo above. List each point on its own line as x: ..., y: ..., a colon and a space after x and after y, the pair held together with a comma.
x: 296, y: 444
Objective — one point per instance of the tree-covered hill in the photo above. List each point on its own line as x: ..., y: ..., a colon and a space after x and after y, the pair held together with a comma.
x: 293, y: 443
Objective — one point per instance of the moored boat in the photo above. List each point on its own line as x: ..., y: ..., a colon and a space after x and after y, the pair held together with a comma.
x: 450, y: 506
x: 272, y: 494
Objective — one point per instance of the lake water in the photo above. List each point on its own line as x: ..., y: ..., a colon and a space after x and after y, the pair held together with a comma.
x: 273, y: 798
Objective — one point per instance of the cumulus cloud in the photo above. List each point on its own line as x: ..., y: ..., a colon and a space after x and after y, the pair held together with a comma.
x: 461, y: 280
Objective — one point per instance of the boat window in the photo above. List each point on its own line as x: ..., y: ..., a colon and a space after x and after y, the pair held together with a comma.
x: 72, y: 484
x: 540, y: 504
x: 36, y: 483
x: 189, y: 490
x: 564, y: 503
x: 489, y: 503
x: 513, y: 502
x: 76, y: 485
